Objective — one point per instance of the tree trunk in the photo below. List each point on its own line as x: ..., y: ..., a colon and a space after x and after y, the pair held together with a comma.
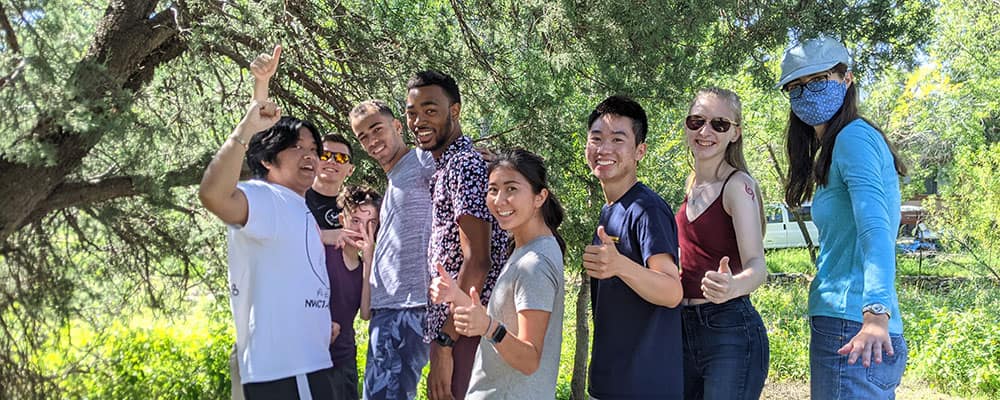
x: 578, y: 385
x: 795, y: 212
x: 130, y: 42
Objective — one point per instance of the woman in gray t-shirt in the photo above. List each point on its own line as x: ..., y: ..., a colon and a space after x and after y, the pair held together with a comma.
x: 521, y: 328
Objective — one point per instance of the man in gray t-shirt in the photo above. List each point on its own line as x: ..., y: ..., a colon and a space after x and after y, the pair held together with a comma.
x: 399, y: 272
x: 531, y: 280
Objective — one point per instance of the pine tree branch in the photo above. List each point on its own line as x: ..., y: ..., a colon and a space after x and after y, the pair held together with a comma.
x: 82, y: 193
x: 8, y: 32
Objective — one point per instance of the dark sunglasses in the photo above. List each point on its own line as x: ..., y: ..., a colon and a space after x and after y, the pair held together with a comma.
x: 695, y: 122
x: 339, y: 158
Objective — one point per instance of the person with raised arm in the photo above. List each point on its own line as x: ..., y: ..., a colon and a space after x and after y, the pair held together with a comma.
x: 279, y: 291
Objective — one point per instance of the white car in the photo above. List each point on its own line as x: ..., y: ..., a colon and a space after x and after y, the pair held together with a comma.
x: 782, y: 229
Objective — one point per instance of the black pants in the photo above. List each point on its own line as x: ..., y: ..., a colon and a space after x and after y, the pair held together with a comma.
x: 320, y: 386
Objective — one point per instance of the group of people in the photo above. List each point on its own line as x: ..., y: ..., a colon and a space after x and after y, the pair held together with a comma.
x: 459, y: 261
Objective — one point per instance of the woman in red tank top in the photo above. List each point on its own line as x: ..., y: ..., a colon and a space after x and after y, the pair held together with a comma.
x: 720, y: 231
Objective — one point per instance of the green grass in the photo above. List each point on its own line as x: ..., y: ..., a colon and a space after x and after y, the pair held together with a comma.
x: 940, y: 264
x: 952, y: 328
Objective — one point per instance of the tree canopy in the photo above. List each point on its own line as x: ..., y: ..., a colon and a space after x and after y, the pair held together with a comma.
x: 112, y: 109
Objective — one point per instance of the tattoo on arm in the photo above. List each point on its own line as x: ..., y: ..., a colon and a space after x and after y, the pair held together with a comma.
x: 749, y: 189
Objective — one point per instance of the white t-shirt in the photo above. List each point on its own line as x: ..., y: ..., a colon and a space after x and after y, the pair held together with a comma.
x: 278, y: 286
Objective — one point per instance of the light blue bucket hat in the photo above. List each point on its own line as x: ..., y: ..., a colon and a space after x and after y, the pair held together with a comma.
x: 812, y: 56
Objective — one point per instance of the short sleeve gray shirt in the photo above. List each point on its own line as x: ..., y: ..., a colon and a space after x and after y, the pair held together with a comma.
x: 399, y: 269
x: 531, y: 280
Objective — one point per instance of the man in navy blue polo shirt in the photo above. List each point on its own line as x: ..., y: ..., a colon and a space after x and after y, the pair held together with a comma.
x: 635, y: 284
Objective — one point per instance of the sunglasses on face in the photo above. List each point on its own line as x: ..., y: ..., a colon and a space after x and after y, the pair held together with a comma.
x: 696, y: 122
x: 339, y: 158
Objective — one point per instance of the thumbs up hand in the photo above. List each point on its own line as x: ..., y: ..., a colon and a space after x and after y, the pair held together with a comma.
x: 471, y: 320
x: 443, y: 288
x: 601, y: 260
x: 718, y: 286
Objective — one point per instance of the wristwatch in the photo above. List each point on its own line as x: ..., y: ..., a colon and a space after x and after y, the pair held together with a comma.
x: 444, y: 340
x: 498, y: 334
x: 877, y: 309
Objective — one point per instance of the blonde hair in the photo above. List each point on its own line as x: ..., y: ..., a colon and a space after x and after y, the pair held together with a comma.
x: 734, y: 150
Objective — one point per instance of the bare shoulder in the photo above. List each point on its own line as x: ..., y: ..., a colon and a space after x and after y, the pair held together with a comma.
x: 742, y: 190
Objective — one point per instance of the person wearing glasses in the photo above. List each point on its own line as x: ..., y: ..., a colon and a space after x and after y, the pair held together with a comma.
x: 348, y: 267
x: 334, y: 168
x: 635, y: 287
x: 720, y: 229
x: 399, y: 273
x: 847, y: 166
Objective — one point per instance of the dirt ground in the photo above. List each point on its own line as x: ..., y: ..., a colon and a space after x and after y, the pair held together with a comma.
x: 800, y: 391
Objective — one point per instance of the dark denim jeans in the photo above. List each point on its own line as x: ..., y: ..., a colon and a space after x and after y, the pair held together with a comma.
x: 831, y: 377
x: 726, y: 353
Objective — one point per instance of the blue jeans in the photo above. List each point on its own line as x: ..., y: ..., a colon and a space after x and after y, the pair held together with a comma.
x: 396, y: 353
x: 726, y: 352
x: 831, y: 377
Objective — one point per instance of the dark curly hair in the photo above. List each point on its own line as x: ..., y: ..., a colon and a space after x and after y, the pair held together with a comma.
x: 352, y: 197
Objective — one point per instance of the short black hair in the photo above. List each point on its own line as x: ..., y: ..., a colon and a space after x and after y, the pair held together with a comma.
x: 431, y: 78
x: 623, y: 106
x: 338, y: 138
x: 265, y: 145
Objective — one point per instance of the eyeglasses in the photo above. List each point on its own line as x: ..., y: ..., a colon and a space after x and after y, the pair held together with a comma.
x: 816, y: 84
x: 339, y: 158
x: 696, y: 122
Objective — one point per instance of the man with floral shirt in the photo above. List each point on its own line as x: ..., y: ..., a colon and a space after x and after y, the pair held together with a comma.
x: 465, y: 239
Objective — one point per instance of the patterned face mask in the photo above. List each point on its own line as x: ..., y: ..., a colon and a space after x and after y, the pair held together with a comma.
x: 816, y: 108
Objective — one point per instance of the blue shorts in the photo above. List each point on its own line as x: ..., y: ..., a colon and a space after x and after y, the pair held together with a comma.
x: 396, y: 353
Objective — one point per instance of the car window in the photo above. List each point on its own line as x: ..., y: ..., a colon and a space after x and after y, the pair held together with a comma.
x: 805, y: 212
x: 773, y: 214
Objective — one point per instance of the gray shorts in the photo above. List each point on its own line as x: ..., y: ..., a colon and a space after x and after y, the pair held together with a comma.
x: 397, y: 353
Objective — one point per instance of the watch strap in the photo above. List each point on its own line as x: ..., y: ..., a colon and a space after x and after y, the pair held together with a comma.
x: 443, y: 340
x: 498, y: 334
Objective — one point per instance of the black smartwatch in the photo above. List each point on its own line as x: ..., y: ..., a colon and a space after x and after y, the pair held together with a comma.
x: 498, y: 334
x: 444, y: 340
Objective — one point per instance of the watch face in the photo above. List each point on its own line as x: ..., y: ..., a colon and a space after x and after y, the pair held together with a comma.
x: 877, y: 309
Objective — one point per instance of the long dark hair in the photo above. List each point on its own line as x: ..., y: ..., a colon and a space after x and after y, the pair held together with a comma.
x: 532, y: 168
x: 802, y: 145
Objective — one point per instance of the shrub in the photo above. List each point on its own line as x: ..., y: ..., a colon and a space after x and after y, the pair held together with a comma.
x: 144, y: 358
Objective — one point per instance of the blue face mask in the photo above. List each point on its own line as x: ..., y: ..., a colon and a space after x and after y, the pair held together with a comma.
x: 816, y: 108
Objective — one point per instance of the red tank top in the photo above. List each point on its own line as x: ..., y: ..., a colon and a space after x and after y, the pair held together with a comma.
x: 704, y: 241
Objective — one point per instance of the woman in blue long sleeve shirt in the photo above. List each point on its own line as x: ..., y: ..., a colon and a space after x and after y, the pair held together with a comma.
x: 857, y: 350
